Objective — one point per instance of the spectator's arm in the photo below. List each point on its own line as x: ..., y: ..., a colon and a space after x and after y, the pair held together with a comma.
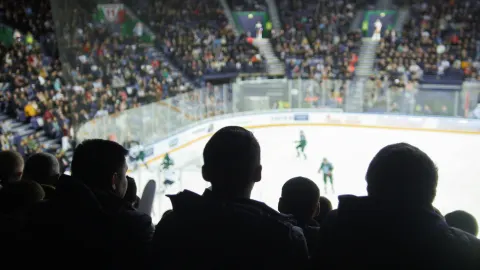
x: 167, y: 246
x: 298, y: 258
x: 139, y: 234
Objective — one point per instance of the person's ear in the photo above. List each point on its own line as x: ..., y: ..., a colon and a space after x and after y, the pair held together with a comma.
x: 114, y: 181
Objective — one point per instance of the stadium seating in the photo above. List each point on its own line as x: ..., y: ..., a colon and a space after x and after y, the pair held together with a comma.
x: 110, y: 75
x: 438, y: 42
x: 316, y: 41
x: 196, y: 37
x: 252, y: 5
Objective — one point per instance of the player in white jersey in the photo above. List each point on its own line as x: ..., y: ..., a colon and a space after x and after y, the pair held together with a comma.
x: 137, y: 153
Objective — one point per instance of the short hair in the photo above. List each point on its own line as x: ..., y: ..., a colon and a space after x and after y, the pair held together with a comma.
x: 462, y: 220
x: 11, y: 162
x: 40, y: 167
x: 402, y: 173
x: 95, y: 161
x: 325, y: 208
x: 300, y: 197
x: 232, y: 152
x: 21, y: 195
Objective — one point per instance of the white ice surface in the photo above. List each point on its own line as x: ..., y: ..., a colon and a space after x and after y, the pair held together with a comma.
x: 350, y: 150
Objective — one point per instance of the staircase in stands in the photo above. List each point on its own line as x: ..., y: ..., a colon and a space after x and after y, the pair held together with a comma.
x: 228, y: 13
x: 366, y: 58
x: 24, y: 130
x: 273, y: 13
x: 274, y: 66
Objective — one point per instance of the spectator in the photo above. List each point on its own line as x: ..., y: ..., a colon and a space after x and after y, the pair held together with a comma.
x: 97, y: 226
x: 44, y: 169
x: 395, y: 226
x: 11, y: 167
x: 108, y: 76
x: 300, y: 198
x: 197, y: 38
x: 463, y: 221
x: 212, y: 230
x: 16, y: 201
x: 325, y: 208
x: 19, y: 197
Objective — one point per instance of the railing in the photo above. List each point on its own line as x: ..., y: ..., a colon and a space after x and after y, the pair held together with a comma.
x: 151, y: 123
x: 410, y: 99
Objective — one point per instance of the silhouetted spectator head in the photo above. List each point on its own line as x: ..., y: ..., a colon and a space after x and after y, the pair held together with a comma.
x: 402, y: 174
x: 166, y: 213
x: 299, y: 198
x: 325, y: 208
x: 463, y: 221
x: 42, y: 168
x: 20, y: 196
x: 232, y: 162
x: 11, y: 167
x: 131, y: 194
x: 101, y: 164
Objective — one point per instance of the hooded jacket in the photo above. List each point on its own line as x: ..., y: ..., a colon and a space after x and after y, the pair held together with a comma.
x: 365, y: 234
x: 203, y: 232
x: 89, y: 228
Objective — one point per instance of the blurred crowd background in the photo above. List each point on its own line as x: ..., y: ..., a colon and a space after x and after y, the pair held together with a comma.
x: 66, y: 63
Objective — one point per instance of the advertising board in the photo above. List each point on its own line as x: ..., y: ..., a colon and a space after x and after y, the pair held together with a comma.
x: 300, y: 117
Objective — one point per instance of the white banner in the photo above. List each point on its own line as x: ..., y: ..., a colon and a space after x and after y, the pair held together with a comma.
x: 111, y: 11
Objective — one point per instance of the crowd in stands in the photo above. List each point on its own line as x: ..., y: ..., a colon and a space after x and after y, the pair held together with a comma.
x: 197, y: 37
x: 32, y: 93
x: 34, y: 20
x: 316, y: 41
x: 440, y: 39
x: 248, y: 5
x: 91, y: 217
x: 107, y: 74
x: 317, y: 34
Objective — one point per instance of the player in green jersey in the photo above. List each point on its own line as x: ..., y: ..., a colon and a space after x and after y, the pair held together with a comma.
x: 301, y: 145
x: 327, y: 169
x: 167, y: 162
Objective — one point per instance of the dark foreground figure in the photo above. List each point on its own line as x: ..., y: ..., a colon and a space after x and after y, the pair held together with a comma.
x: 88, y: 224
x: 224, y: 228
x: 395, y: 226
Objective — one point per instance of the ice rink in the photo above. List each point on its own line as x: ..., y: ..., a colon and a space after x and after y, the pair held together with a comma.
x: 350, y: 151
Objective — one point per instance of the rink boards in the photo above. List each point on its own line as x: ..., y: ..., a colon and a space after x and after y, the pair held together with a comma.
x: 201, y: 130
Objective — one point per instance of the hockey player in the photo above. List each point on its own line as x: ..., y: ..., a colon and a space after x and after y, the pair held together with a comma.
x: 167, y: 162
x: 327, y: 169
x: 169, y: 174
x: 301, y: 145
x: 139, y: 155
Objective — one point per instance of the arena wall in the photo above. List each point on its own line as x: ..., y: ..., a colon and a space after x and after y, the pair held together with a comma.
x: 206, y: 128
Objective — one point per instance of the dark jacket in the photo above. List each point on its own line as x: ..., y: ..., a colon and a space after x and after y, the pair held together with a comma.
x: 203, y: 232
x: 311, y: 230
x: 364, y: 234
x: 89, y: 228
